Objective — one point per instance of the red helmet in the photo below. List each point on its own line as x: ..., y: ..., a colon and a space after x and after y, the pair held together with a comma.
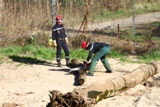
x: 59, y: 18
x: 84, y: 44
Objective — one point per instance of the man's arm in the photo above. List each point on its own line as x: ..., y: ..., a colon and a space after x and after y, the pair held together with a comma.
x: 89, y: 55
x: 54, y: 38
x: 65, y: 34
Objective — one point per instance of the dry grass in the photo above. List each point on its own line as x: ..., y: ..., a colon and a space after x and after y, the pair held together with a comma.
x: 20, y: 18
x: 26, y: 18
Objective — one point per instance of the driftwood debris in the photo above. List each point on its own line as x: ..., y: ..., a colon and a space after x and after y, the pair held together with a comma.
x: 70, y: 99
x: 98, y: 91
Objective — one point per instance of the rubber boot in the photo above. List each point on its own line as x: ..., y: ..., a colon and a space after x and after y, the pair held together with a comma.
x: 109, y: 71
x: 67, y: 62
x: 59, y: 64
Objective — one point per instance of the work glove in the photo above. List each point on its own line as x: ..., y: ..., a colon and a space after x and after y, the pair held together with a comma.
x: 66, y: 40
x: 54, y: 44
x: 50, y: 42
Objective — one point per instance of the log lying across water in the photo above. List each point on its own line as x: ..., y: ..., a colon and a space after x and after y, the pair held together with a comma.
x: 98, y: 91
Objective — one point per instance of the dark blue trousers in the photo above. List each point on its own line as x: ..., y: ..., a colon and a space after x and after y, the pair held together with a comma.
x: 61, y: 44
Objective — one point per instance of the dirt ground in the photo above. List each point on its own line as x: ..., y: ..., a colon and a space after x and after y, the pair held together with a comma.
x: 28, y: 85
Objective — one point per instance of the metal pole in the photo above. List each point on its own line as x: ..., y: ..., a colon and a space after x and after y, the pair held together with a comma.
x: 53, y: 11
x: 133, y: 25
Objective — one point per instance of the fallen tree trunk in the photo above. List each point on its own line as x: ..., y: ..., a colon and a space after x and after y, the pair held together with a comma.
x: 109, y: 88
x: 98, y: 91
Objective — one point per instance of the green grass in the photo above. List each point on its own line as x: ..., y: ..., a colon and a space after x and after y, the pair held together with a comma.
x: 48, y: 54
x: 152, y: 56
x: 40, y: 52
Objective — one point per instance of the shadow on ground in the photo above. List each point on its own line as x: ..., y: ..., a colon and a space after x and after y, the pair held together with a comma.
x: 29, y: 60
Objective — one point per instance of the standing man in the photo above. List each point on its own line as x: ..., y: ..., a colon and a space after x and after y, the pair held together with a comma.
x: 60, y: 41
x: 100, y: 51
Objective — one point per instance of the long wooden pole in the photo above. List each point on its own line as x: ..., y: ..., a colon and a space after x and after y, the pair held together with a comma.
x: 84, y: 22
x: 117, y: 85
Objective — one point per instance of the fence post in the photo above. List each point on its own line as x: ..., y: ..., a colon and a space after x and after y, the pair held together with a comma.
x: 118, y: 32
x: 133, y: 51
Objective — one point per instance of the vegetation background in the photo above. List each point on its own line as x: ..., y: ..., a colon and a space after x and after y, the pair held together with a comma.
x: 26, y: 26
